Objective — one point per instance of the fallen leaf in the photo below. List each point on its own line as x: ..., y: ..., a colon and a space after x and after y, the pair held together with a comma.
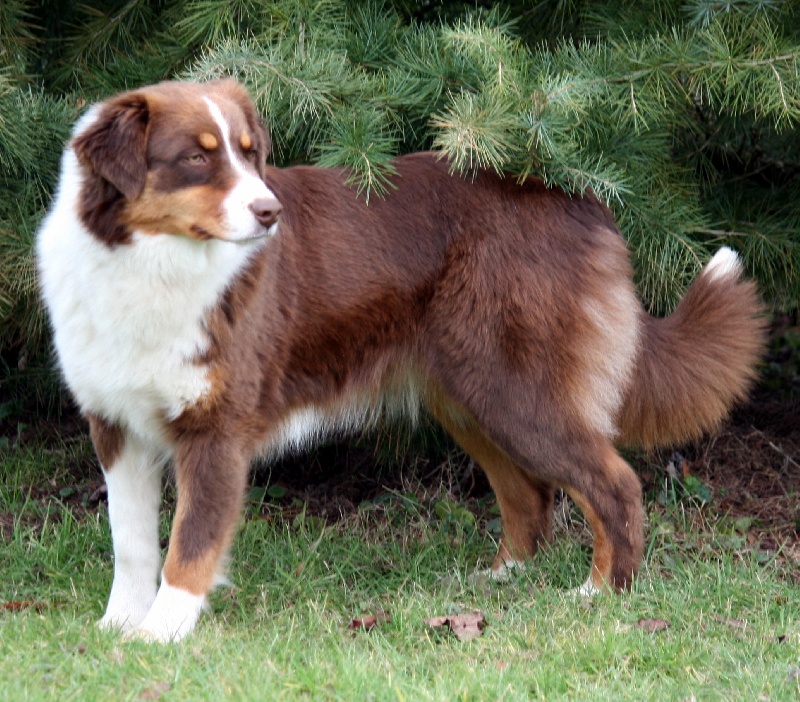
x: 369, y: 622
x: 464, y: 626
x: 651, y: 626
x: 366, y: 623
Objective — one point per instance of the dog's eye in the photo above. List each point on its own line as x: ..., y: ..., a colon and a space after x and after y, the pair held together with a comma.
x: 251, y: 155
x: 197, y: 159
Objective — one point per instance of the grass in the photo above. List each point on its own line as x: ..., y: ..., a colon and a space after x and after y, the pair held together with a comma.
x: 281, y: 631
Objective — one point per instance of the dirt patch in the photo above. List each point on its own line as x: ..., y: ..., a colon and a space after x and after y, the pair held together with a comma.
x: 753, y: 469
x: 6, y: 525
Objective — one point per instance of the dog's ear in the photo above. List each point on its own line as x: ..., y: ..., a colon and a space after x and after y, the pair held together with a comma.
x: 265, y: 146
x: 115, y: 145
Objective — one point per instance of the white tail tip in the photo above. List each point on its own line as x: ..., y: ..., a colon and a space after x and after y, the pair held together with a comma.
x: 724, y: 263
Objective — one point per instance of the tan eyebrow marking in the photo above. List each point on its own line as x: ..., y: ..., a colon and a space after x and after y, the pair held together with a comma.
x: 208, y: 141
x: 245, y: 141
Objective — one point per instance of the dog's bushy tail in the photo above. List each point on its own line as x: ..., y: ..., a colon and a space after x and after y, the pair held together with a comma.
x: 696, y: 363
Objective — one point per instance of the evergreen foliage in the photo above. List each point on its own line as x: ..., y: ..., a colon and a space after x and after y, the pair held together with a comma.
x: 683, y: 116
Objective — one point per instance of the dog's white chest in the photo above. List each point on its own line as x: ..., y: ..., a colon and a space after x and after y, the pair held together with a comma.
x: 130, y: 356
x: 129, y: 321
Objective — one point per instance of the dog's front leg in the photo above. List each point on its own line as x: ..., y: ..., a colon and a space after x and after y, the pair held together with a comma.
x: 211, y: 474
x: 133, y: 477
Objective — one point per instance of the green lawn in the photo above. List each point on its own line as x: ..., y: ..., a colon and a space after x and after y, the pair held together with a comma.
x: 281, y: 631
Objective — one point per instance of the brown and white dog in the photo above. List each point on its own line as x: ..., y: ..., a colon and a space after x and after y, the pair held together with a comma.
x: 208, y: 307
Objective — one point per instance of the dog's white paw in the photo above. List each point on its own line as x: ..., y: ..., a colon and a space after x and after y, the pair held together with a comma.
x: 172, y: 617
x: 144, y: 635
x: 127, y: 607
x: 588, y: 589
x: 120, y: 621
x: 501, y: 574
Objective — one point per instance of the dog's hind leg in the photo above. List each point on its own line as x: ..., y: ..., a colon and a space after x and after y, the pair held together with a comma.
x: 526, y: 503
x: 525, y: 448
x: 610, y: 497
x: 605, y: 488
x: 133, y: 479
x: 210, y: 474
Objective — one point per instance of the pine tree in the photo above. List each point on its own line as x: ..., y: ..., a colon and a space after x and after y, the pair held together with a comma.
x: 682, y: 116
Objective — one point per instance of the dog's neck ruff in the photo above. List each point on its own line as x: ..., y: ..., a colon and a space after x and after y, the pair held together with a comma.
x: 129, y: 320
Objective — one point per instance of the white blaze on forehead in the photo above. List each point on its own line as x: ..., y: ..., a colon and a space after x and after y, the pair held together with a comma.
x: 240, y: 220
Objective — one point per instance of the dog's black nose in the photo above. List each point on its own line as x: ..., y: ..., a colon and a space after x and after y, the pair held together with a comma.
x: 266, y: 210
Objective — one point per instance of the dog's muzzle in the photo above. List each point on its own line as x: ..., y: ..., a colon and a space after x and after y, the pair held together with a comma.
x: 266, y: 210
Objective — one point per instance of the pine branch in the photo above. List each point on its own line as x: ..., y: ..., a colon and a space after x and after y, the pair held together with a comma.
x: 363, y: 143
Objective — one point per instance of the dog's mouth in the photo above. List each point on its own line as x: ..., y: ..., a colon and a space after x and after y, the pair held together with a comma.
x: 257, y: 233
x: 200, y: 233
x: 262, y: 232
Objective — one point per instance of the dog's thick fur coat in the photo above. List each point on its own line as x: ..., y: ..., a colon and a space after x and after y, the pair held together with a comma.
x: 208, y: 307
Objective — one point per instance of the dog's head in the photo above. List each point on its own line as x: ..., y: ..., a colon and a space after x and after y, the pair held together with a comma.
x: 176, y: 158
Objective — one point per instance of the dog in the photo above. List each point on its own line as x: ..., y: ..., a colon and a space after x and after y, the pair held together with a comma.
x: 207, y: 307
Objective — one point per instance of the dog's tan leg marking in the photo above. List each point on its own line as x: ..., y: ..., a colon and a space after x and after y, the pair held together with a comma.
x: 210, y: 475
x: 602, y: 551
x: 195, y: 576
x: 526, y: 503
x: 612, y: 504
x: 526, y: 507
